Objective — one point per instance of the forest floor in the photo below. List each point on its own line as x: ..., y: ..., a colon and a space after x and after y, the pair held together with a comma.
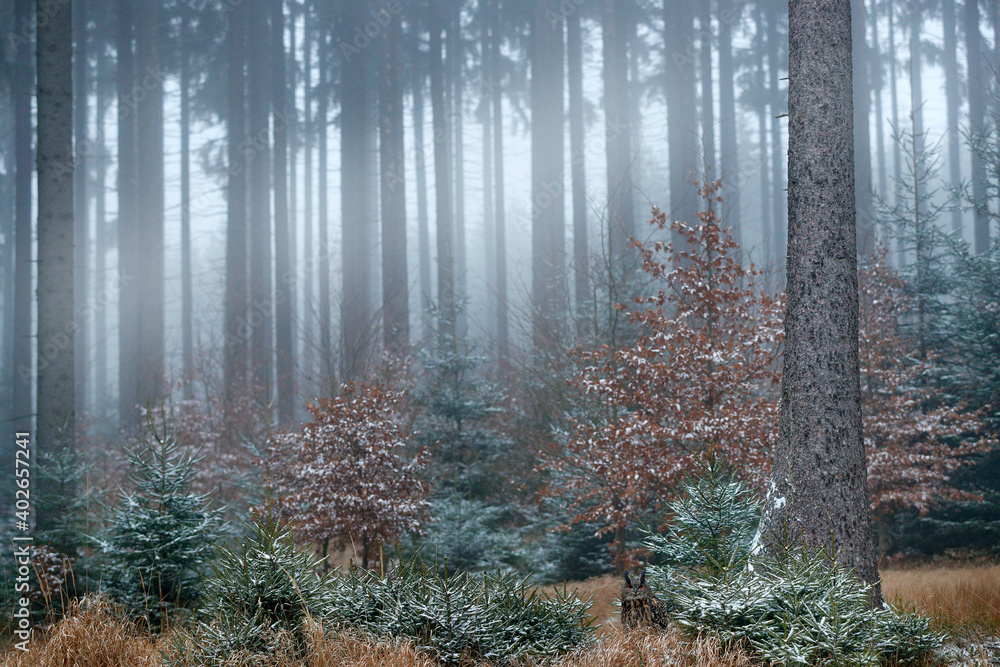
x: 962, y: 600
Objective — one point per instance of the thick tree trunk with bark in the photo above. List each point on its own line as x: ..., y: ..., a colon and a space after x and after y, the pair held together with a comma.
x: 863, y: 196
x: 395, y: 292
x: 54, y: 369
x: 819, y: 494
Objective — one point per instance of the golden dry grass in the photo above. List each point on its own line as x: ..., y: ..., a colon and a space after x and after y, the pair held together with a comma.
x: 958, y: 598
x: 604, y: 589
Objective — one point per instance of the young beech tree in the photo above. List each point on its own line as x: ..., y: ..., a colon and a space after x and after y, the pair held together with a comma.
x: 914, y: 437
x: 343, y: 478
x: 699, y: 379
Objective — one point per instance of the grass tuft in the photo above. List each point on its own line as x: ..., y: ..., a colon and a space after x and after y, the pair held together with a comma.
x: 960, y: 599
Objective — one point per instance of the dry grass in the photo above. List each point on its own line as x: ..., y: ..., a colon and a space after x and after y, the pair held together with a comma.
x: 604, y: 589
x: 959, y: 598
x: 91, y: 636
x: 619, y: 647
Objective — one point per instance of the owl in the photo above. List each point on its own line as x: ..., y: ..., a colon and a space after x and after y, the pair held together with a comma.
x: 640, y: 606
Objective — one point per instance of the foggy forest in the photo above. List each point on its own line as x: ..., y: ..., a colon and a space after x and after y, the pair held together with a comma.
x: 509, y: 286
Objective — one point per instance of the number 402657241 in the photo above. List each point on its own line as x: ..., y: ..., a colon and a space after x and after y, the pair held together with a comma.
x: 22, y: 473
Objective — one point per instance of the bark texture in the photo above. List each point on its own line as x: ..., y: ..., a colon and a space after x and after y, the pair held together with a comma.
x: 819, y: 493
x: 56, y: 414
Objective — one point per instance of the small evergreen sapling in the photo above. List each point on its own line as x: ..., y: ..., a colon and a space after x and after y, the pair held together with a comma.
x: 160, y: 535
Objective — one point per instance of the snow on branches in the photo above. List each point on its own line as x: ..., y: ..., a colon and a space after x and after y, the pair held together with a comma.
x: 699, y: 379
x: 344, y: 478
x: 915, y: 436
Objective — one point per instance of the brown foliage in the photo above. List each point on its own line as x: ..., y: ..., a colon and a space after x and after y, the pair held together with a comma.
x: 343, y: 478
x: 699, y: 379
x: 914, y: 437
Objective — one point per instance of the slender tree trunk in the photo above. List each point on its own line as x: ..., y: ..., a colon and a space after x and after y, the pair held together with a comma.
x: 548, y: 227
x: 486, y: 118
x: 503, y: 327
x: 896, y: 156
x: 952, y: 102
x: 729, y: 160
x: 187, y: 284
x: 581, y: 258
x: 284, y: 284
x: 81, y: 244
x: 819, y: 495
x: 395, y: 292
x: 878, y: 83
x: 55, y: 364
x: 705, y: 40
x: 23, y: 262
x: 102, y: 395
x: 128, y: 262
x: 150, y: 351
x: 355, y: 197
x: 455, y: 59
x: 261, y: 293
x: 681, y: 112
x: 236, y: 343
x: 977, y: 112
x: 309, y: 333
x: 442, y: 173
x: 767, y: 223
x: 423, y: 224
x: 617, y: 129
x: 322, y: 219
x: 777, y: 110
x: 863, y: 197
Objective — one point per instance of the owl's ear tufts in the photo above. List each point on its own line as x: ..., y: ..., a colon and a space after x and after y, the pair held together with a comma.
x: 628, y: 581
x: 642, y: 579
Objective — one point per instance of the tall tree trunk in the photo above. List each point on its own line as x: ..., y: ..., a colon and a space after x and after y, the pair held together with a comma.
x: 878, y: 83
x: 766, y: 219
x: 500, y: 245
x: 819, y: 494
x: 23, y: 262
x: 548, y: 227
x: 355, y: 319
x: 187, y: 284
x: 236, y: 343
x: 150, y: 369
x: 485, y: 113
x: 977, y: 112
x: 897, y: 164
x: 777, y: 110
x: 577, y: 147
x: 127, y: 241
x: 442, y: 174
x: 952, y: 101
x: 55, y: 364
x: 309, y: 258
x: 284, y: 284
x: 729, y: 159
x: 863, y: 196
x: 102, y: 395
x: 322, y: 220
x: 617, y: 127
x: 705, y: 75
x: 395, y: 293
x: 261, y: 292
x: 455, y: 60
x: 681, y: 113
x: 81, y: 245
x: 423, y: 224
